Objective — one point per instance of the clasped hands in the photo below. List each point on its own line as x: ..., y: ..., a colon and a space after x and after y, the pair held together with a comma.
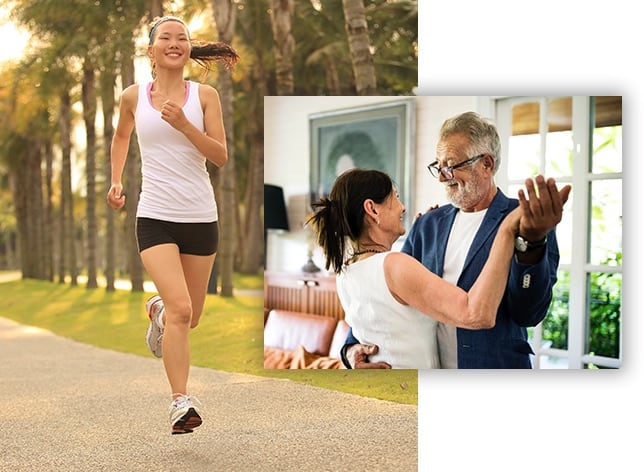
x: 541, y: 211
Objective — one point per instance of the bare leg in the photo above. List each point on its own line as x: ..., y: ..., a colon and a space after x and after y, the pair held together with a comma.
x: 182, y: 282
x: 196, y: 270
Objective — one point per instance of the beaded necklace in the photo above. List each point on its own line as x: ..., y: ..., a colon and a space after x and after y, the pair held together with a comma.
x: 359, y: 253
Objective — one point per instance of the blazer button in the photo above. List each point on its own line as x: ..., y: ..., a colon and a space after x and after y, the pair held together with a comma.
x: 526, y: 281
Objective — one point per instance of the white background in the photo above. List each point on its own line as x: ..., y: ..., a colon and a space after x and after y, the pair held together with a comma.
x: 541, y: 420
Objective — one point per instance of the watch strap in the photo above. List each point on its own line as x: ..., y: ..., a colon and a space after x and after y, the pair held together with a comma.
x: 533, y: 245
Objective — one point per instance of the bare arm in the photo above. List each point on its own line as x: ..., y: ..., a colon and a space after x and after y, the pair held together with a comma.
x: 211, y: 143
x: 412, y: 284
x: 120, y: 145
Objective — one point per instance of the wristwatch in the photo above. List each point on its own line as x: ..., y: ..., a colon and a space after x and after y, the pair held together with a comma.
x: 521, y: 245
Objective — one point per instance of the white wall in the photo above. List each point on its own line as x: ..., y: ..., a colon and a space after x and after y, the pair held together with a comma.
x: 286, y: 158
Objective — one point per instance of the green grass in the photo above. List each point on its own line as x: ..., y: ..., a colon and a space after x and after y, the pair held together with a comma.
x: 248, y: 282
x: 229, y: 336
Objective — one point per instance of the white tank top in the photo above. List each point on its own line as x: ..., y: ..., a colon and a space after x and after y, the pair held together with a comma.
x: 406, y: 338
x: 176, y: 186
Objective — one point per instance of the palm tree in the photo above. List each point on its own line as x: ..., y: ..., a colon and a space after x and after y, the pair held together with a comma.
x: 284, y: 44
x: 254, y: 32
x: 89, y: 116
x: 54, y: 25
x: 225, y: 13
x: 49, y: 211
x: 107, y: 81
x: 393, y: 31
x: 99, y: 36
x: 67, y: 226
x: 118, y: 27
x: 132, y: 184
x: 116, y: 58
x: 360, y: 46
x: 322, y: 60
x: 24, y: 136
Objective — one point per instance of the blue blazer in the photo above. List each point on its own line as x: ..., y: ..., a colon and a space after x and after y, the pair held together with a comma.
x: 527, y: 295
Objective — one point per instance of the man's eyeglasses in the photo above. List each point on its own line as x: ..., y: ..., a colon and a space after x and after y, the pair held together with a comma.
x: 448, y: 171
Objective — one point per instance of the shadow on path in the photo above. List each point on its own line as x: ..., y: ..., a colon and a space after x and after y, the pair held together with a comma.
x: 69, y: 406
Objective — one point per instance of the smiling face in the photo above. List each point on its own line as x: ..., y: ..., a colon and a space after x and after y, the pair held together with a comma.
x: 170, y: 48
x: 390, y: 213
x: 472, y: 188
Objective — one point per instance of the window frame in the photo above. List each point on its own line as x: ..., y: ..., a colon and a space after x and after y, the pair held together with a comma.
x: 581, y: 179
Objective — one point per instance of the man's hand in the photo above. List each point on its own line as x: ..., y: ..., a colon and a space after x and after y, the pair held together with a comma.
x: 542, y: 213
x: 358, y: 357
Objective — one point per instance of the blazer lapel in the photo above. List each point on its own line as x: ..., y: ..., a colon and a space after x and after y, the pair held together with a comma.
x: 445, y: 223
x: 495, y: 214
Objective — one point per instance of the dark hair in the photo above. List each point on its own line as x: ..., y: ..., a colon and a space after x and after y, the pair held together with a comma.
x: 202, y: 52
x: 341, y: 215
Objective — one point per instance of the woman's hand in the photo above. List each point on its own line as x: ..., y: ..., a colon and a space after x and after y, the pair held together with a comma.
x: 358, y: 357
x: 513, y: 220
x: 173, y: 114
x: 115, y: 197
x: 420, y: 213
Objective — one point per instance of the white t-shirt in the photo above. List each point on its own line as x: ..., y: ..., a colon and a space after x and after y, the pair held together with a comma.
x: 406, y: 338
x: 465, y: 226
x: 176, y: 185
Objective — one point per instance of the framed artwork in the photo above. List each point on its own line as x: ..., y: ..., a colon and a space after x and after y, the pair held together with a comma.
x: 377, y: 136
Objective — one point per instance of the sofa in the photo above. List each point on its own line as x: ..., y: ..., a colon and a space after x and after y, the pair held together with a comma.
x: 298, y: 340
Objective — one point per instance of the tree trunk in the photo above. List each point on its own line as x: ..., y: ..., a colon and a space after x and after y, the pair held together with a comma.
x: 108, y: 101
x: 50, y: 224
x: 359, y: 45
x: 89, y: 117
x: 332, y: 78
x: 156, y: 9
x: 37, y: 212
x: 132, y: 186
x: 225, y: 16
x: 67, y: 233
x: 28, y: 198
x: 284, y: 44
x: 252, y: 256
x: 253, y: 235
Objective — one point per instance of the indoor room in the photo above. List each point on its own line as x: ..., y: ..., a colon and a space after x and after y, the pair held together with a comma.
x: 577, y: 140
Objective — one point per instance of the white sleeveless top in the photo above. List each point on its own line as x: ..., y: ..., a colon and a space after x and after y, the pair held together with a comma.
x: 176, y: 186
x: 406, y: 338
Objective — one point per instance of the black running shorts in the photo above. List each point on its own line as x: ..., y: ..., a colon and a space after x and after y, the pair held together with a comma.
x: 199, y: 239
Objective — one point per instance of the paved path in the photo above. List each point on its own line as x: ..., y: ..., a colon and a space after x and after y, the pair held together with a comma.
x: 67, y: 406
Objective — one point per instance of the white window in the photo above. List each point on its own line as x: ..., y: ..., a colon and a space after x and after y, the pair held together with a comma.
x: 577, y: 140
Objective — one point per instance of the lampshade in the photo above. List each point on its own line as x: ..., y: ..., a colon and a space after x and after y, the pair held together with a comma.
x: 274, y: 208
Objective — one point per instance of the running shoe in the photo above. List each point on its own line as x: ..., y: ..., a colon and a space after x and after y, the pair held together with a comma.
x: 184, y: 414
x: 154, y: 334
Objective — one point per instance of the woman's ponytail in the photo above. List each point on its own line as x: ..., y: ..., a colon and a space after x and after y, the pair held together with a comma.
x: 330, y: 225
x: 340, y: 218
x: 205, y: 53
